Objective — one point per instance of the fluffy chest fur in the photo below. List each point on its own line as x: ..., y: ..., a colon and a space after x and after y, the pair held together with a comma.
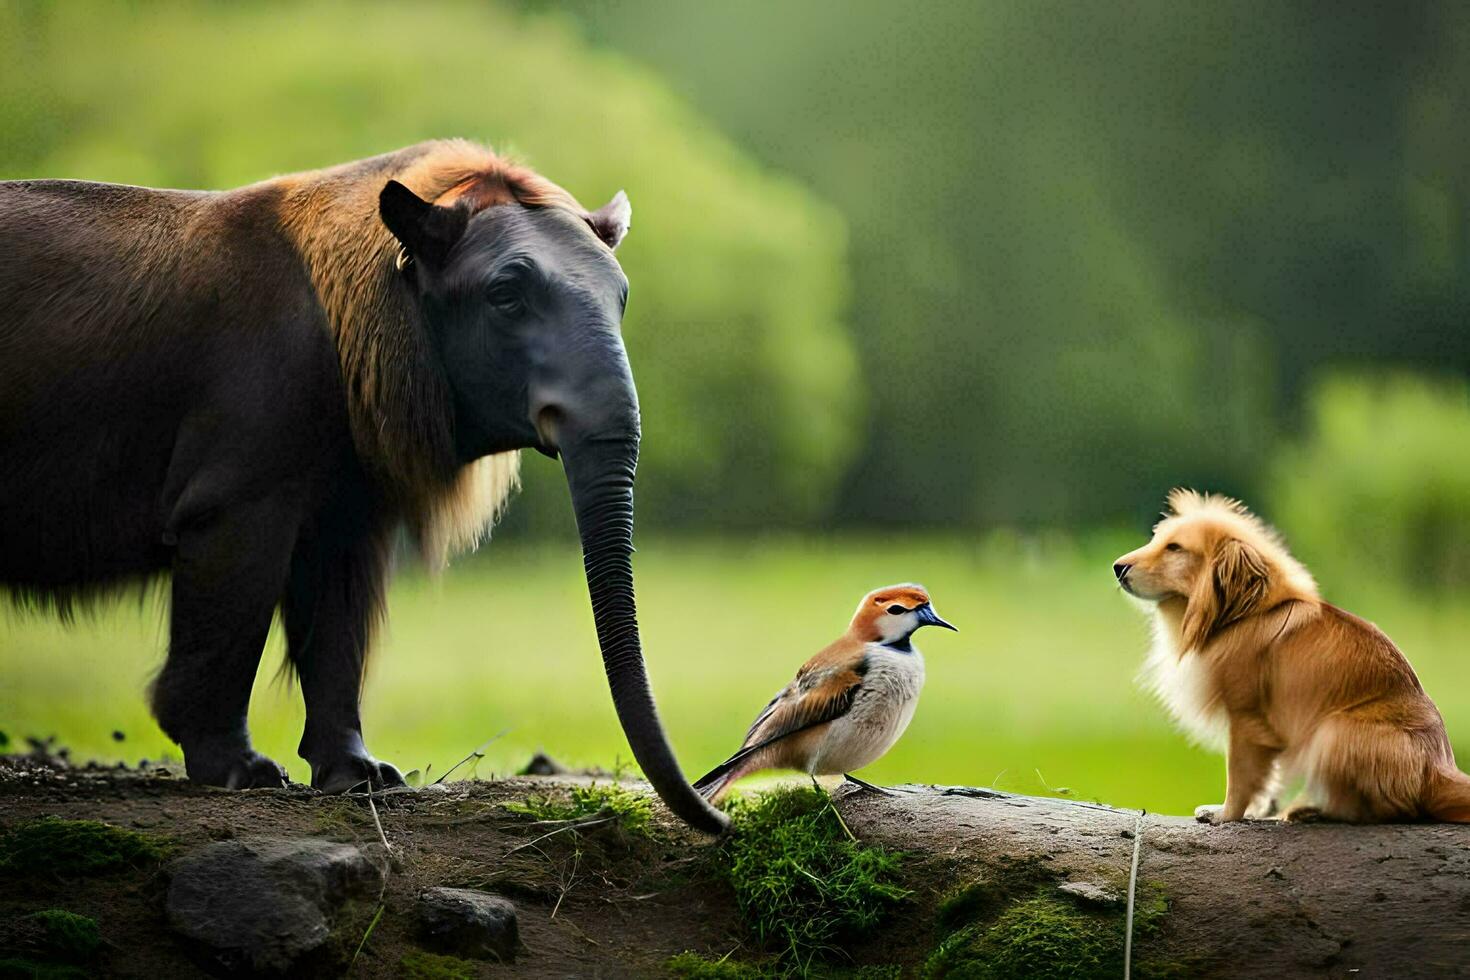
x: 1185, y: 683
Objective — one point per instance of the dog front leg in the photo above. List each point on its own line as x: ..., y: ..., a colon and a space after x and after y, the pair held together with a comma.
x: 1247, y: 771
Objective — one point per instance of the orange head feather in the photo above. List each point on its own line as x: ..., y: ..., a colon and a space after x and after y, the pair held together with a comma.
x: 891, y: 614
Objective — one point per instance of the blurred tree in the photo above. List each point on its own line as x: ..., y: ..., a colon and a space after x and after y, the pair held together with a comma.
x: 1098, y: 247
x: 1379, y: 488
x: 738, y: 274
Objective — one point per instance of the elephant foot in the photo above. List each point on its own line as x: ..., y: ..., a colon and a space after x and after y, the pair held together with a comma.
x: 227, y: 763
x: 356, y: 773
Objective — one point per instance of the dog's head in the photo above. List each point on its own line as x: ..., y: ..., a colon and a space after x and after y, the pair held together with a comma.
x: 1218, y: 557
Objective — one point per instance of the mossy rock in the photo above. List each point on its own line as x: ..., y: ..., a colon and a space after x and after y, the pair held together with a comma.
x: 51, y: 845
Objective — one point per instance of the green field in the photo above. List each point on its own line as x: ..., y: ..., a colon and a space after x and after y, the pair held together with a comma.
x: 1036, y: 694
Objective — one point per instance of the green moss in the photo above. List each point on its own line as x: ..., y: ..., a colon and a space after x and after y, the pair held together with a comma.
x: 801, y: 884
x: 340, y: 818
x: 1039, y: 938
x: 1150, y: 915
x: 1010, y: 923
x: 987, y: 897
x: 419, y: 965
x: 692, y: 966
x: 21, y: 968
x: 63, y: 935
x: 630, y: 810
x: 76, y: 847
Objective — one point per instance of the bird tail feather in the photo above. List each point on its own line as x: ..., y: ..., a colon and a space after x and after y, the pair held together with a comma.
x: 714, y: 784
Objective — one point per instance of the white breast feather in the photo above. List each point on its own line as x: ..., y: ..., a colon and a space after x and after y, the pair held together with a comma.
x: 883, y: 708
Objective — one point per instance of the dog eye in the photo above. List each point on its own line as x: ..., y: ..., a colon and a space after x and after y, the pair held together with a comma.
x: 1171, y: 546
x: 896, y: 610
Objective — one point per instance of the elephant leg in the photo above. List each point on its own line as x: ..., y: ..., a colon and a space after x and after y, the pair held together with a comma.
x: 228, y: 574
x: 333, y: 602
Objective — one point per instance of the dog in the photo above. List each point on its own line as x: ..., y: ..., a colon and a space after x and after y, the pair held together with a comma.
x: 1248, y: 658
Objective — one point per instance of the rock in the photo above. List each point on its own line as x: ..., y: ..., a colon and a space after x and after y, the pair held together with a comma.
x: 469, y: 923
x: 262, y: 904
x: 1090, y: 894
x: 542, y: 764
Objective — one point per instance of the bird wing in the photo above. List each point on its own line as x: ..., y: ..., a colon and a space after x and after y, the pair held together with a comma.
x: 817, y: 695
x: 822, y: 691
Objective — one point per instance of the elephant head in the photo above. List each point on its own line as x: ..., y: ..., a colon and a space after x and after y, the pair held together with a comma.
x: 525, y: 304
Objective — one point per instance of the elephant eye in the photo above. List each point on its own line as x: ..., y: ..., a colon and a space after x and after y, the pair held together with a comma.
x: 507, y: 299
x: 896, y: 610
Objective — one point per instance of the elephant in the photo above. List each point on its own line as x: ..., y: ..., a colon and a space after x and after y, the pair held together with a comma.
x: 254, y: 391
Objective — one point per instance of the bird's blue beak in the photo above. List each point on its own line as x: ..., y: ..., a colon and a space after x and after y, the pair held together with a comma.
x: 928, y: 617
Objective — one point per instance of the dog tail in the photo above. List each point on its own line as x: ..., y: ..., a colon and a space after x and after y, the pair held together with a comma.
x: 1448, y: 799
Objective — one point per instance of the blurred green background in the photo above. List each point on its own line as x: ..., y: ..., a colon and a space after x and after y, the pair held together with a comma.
x: 950, y: 292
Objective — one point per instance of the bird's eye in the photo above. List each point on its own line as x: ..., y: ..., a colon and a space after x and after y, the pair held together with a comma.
x: 896, y: 610
x: 1171, y: 546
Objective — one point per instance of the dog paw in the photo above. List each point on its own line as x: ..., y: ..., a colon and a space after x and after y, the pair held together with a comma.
x: 1209, y: 813
x: 1264, y: 810
x: 1304, y: 814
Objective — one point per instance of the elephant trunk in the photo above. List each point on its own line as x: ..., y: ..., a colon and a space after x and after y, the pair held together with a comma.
x: 600, y: 475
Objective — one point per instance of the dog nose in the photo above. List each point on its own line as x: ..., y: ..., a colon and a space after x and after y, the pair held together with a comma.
x: 1120, y: 569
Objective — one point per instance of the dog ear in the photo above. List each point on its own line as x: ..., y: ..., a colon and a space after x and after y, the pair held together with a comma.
x: 1234, y: 581
x: 1242, y: 580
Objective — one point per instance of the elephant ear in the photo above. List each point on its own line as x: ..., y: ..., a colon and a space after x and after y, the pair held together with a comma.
x: 426, y: 231
x: 611, y: 221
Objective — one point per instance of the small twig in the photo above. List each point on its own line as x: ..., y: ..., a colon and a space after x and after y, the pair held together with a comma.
x: 559, y: 830
x: 571, y: 880
x: 479, y: 753
x: 1132, y: 891
x: 381, y: 836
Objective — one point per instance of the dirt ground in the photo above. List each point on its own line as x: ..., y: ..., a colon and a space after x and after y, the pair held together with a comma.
x: 595, y: 904
x: 1258, y: 899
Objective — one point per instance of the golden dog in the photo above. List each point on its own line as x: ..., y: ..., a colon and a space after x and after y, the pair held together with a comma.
x: 1249, y: 658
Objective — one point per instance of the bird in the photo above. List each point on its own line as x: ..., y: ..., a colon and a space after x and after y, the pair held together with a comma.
x: 848, y: 704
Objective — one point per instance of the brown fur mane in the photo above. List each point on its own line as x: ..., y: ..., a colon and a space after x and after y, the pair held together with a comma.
x: 399, y: 403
